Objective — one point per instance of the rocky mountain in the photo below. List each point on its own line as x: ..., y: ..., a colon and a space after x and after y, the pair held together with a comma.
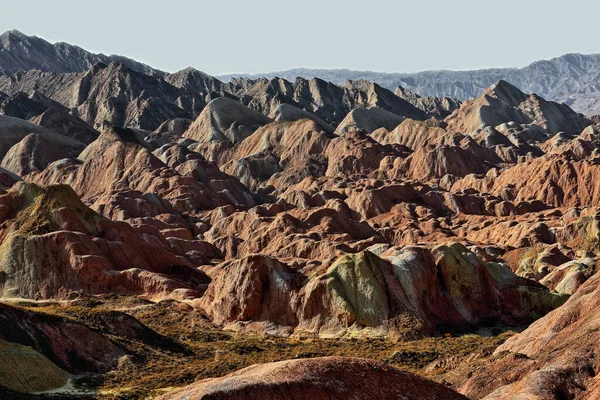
x: 114, y: 90
x: 109, y: 94
x: 570, y: 79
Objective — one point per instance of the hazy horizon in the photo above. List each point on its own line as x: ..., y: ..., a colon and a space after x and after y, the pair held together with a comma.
x: 266, y: 36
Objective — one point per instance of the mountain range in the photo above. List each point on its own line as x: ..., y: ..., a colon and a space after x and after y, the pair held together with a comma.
x: 290, y: 239
x: 571, y: 78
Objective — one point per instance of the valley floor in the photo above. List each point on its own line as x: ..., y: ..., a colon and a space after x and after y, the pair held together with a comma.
x: 188, y: 348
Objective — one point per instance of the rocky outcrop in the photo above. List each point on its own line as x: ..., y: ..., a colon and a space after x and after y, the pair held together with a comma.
x: 331, y: 377
x: 191, y: 164
x: 265, y: 290
x: 169, y: 131
x: 70, y: 345
x: 110, y: 94
x: 365, y: 291
x: 22, y: 106
x: 60, y: 121
x: 14, y: 130
x: 34, y: 153
x: 366, y: 94
x: 503, y: 103
x: 568, y: 277
x: 266, y: 95
x: 327, y: 101
x: 555, y: 180
x: 196, y: 81
x: 368, y: 120
x: 282, y: 151
x: 438, y: 107
x: 26, y: 147
x: 569, y: 78
x: 49, y: 114
x: 410, y: 133
x: 282, y: 231
x: 225, y: 119
x: 356, y: 153
x: 117, y: 165
x: 430, y: 162
x: 408, y: 292
x: 287, y: 112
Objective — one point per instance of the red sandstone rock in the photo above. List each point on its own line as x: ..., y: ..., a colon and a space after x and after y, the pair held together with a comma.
x: 554, y: 357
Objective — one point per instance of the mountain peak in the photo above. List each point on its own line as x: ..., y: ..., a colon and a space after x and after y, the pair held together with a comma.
x: 502, y: 85
x: 12, y: 37
x: 506, y: 91
x: 191, y: 71
x: 14, y: 33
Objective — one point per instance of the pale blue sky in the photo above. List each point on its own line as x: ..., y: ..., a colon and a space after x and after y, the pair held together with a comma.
x: 253, y: 36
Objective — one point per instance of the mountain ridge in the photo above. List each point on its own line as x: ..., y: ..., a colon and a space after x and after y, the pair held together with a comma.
x: 21, y: 52
x: 569, y: 78
x: 258, y: 75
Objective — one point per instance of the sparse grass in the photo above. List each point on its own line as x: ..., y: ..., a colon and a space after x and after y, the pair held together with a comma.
x: 587, y: 237
x: 210, y: 352
x: 38, y: 217
x: 212, y: 359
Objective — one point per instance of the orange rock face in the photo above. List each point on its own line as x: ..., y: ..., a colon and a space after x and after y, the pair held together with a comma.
x: 67, y: 247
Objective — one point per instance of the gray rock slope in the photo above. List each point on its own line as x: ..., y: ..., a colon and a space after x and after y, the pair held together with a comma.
x: 20, y: 52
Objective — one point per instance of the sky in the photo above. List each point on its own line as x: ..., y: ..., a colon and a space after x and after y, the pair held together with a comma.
x: 253, y: 36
